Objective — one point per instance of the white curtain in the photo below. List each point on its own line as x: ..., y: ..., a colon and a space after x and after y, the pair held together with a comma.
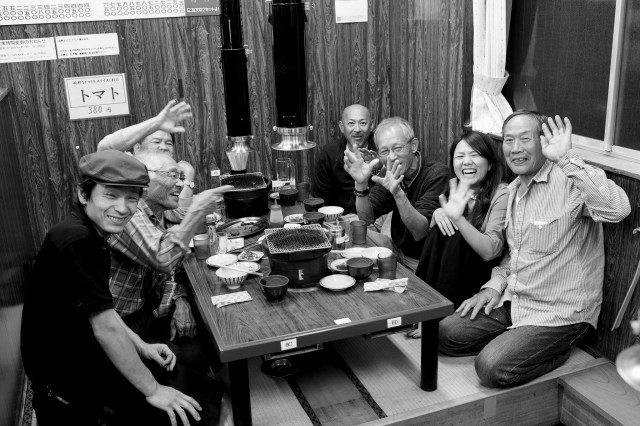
x: 488, y: 107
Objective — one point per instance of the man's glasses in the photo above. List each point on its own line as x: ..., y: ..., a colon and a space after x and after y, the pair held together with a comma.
x: 396, y: 149
x: 172, y: 175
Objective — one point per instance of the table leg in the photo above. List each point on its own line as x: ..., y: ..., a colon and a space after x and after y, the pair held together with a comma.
x: 240, y: 396
x: 429, y: 356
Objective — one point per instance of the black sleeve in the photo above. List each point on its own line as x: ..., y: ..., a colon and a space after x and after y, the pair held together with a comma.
x: 322, y: 180
x: 435, y: 185
x: 381, y: 200
x: 88, y: 275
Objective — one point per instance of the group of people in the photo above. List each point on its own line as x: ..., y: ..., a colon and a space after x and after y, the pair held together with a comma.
x: 521, y: 306
x: 109, y: 332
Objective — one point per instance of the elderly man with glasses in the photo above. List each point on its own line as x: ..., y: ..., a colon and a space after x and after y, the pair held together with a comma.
x: 408, y: 186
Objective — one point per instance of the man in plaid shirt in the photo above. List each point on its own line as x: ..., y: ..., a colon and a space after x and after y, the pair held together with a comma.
x: 143, y: 281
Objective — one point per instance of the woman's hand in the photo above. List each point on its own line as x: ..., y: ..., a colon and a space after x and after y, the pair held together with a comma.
x: 444, y: 223
x: 459, y: 196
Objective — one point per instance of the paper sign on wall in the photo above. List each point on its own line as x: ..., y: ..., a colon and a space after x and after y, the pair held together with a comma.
x: 97, y: 96
x: 351, y: 11
x: 27, y: 49
x: 78, y: 46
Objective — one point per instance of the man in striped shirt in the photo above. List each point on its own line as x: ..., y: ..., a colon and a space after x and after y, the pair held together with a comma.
x: 546, y: 293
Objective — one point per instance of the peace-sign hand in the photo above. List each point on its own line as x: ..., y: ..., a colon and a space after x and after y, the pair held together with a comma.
x: 556, y: 141
x: 355, y: 165
x: 459, y: 196
x: 391, y: 180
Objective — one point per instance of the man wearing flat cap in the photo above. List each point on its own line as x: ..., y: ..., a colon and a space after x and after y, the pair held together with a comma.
x: 97, y: 371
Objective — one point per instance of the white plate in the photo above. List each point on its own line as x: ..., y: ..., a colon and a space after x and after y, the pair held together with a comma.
x: 373, y: 252
x: 352, y: 252
x: 219, y: 260
x: 294, y: 218
x: 249, y: 266
x: 337, y: 282
x: 339, y: 262
x: 257, y: 255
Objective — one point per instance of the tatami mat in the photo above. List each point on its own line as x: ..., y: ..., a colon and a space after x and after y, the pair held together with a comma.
x: 388, y: 368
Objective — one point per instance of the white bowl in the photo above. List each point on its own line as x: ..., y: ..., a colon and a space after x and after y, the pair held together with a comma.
x: 337, y: 282
x: 331, y: 213
x: 373, y: 252
x: 219, y: 260
x: 231, y: 278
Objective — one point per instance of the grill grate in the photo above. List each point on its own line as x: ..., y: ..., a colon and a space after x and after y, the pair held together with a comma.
x: 291, y: 240
x: 243, y: 181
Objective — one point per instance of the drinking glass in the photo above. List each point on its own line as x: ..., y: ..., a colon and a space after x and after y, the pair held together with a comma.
x: 285, y: 172
x: 219, y: 243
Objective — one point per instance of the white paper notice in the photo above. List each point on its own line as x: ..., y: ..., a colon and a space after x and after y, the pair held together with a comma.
x: 27, y: 49
x: 77, y: 46
x: 97, y: 96
x: 351, y: 11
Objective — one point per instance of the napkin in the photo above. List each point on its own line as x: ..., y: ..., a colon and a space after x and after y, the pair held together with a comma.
x: 398, y: 285
x: 229, y: 299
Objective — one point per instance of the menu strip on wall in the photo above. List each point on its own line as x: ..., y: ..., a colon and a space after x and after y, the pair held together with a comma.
x: 21, y: 12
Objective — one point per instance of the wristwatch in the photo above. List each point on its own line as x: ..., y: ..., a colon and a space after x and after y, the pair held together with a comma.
x: 190, y: 184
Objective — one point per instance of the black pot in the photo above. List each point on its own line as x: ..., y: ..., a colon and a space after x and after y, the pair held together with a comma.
x: 248, y: 202
x: 302, y: 273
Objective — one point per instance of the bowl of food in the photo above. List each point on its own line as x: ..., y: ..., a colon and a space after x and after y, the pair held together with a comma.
x: 231, y: 278
x: 360, y: 267
x: 332, y: 213
x: 288, y: 196
x: 339, y: 266
x: 313, y: 204
x: 274, y: 287
x: 313, y: 217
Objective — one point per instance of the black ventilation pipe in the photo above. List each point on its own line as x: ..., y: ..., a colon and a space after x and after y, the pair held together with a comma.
x: 236, y: 87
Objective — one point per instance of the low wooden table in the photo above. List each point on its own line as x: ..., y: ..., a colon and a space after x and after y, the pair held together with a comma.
x: 307, y: 318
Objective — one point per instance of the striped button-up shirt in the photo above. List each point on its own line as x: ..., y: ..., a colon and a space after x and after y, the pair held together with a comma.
x: 554, y: 271
x: 143, y: 258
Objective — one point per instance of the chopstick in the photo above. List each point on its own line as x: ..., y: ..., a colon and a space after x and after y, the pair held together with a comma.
x: 244, y: 247
x: 242, y: 270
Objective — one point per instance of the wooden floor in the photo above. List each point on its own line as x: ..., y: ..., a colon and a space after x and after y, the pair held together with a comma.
x: 375, y: 382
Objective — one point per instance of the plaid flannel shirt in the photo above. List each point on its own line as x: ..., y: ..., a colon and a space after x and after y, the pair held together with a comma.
x: 143, y: 260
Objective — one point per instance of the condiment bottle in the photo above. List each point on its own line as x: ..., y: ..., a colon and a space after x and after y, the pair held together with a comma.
x: 276, y: 220
x: 336, y: 236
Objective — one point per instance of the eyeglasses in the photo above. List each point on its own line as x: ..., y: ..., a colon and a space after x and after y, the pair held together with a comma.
x: 396, y: 149
x: 172, y: 175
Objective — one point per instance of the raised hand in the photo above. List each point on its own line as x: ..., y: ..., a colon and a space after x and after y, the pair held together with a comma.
x: 355, y: 165
x: 392, y: 179
x: 556, y: 141
x: 459, y: 196
x: 173, y: 114
x: 174, y: 402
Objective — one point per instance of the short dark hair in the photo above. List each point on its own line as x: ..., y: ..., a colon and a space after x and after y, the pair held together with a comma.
x: 539, y: 118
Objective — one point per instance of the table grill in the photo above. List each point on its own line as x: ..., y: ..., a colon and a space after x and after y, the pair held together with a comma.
x: 298, y: 253
x: 249, y: 196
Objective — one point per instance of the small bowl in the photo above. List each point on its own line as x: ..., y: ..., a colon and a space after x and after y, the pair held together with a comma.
x: 337, y: 282
x: 360, y: 267
x: 313, y: 217
x: 313, y: 204
x: 274, y: 287
x: 339, y: 266
x: 288, y: 196
x: 332, y: 213
x: 231, y: 278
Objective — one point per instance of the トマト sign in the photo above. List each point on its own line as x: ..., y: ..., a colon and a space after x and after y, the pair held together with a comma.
x: 97, y: 96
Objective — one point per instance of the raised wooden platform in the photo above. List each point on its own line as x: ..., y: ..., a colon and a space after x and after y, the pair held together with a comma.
x: 375, y: 382
x: 598, y: 396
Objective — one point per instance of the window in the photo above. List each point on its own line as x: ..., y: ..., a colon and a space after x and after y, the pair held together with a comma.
x: 580, y: 59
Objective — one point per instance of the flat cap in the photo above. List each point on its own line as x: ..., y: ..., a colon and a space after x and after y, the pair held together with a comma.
x: 111, y: 167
